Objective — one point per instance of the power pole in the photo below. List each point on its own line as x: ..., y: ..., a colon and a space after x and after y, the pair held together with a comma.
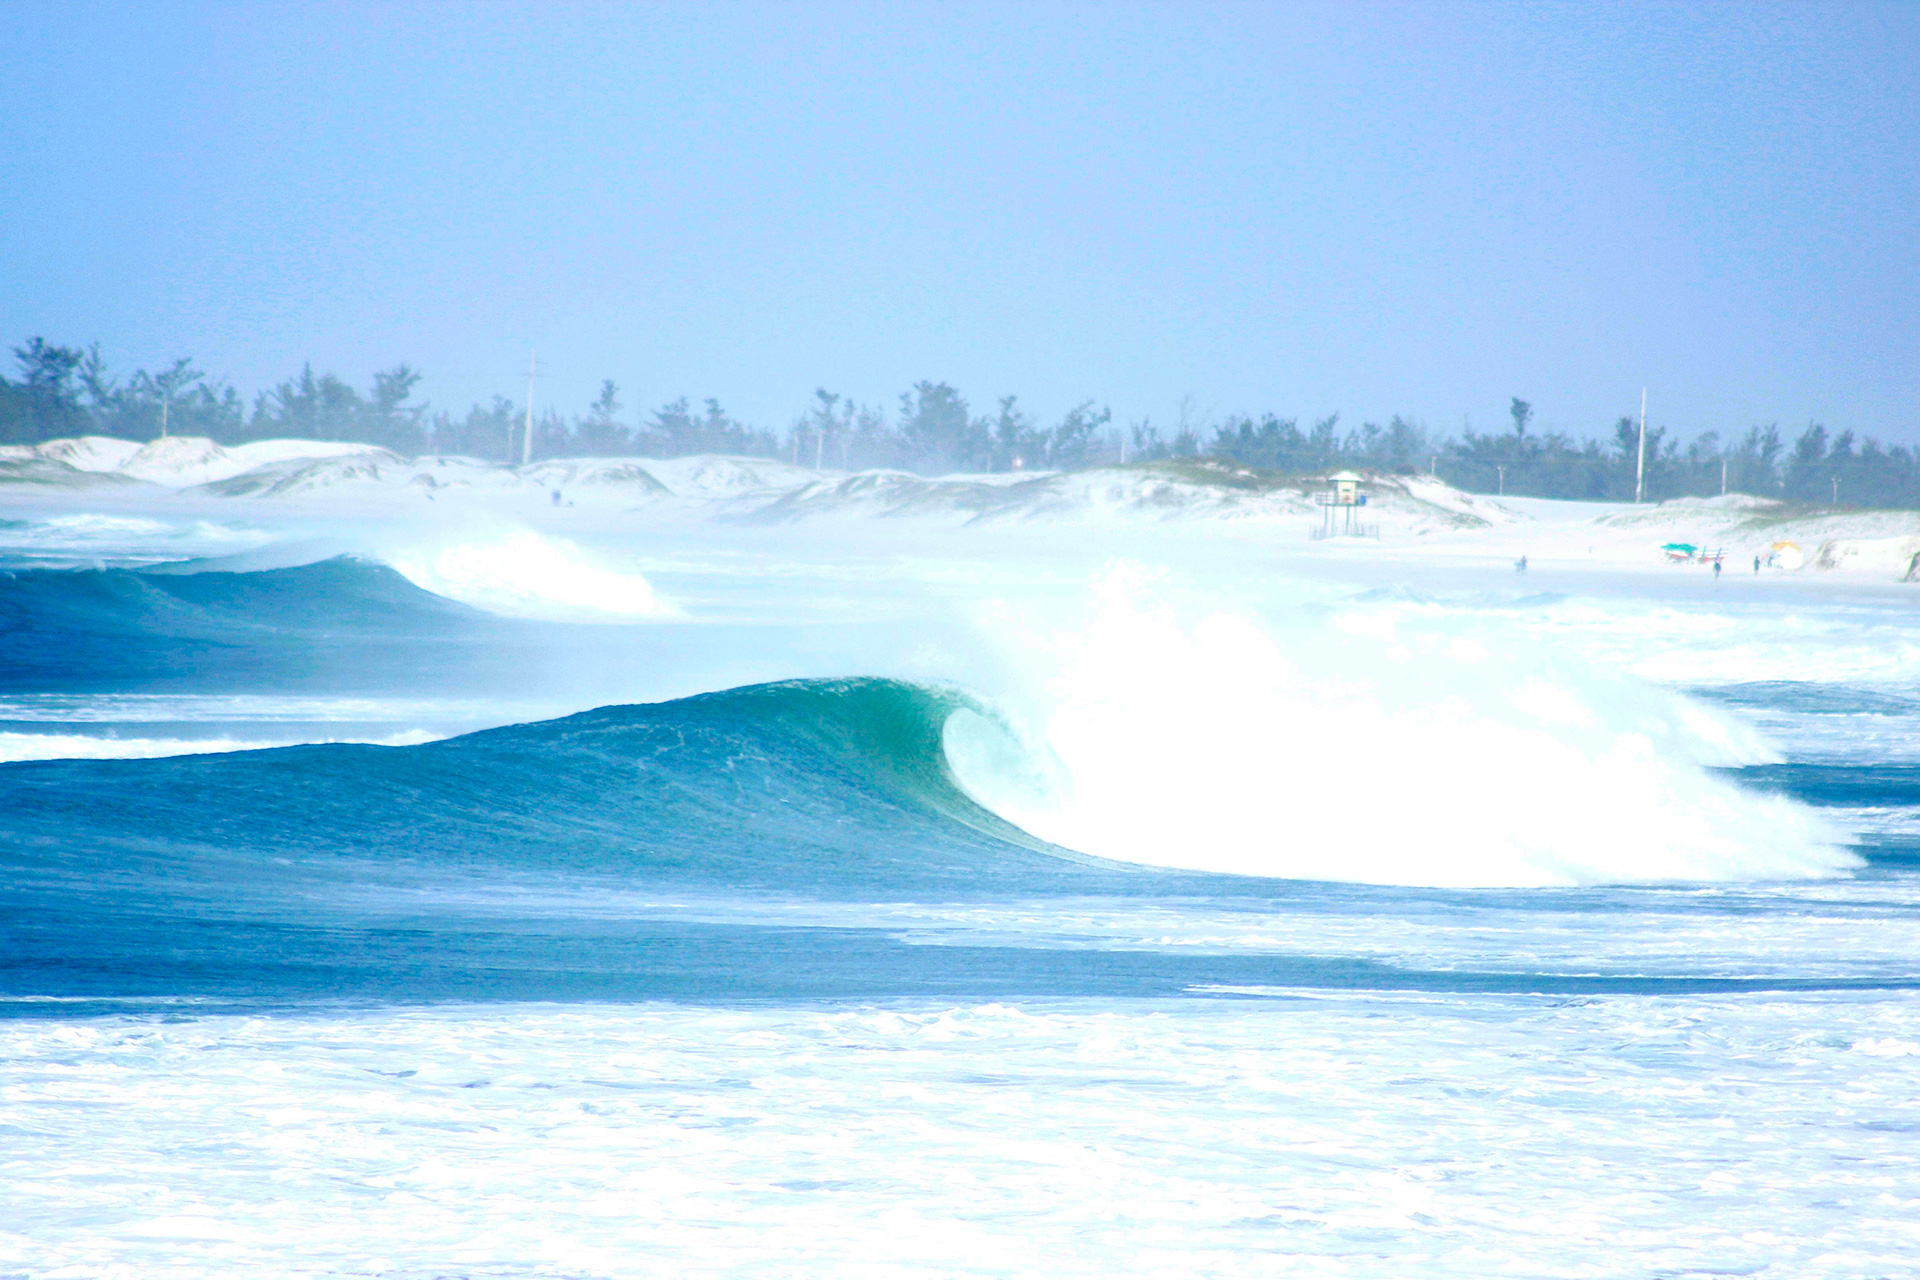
x: 1640, y: 471
x: 1503, y: 478
x: 526, y: 439
x: 1723, y: 477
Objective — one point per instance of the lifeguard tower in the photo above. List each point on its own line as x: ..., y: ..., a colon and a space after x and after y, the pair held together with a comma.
x: 1338, y: 503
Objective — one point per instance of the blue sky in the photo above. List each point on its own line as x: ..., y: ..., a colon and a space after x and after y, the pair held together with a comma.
x: 1416, y: 209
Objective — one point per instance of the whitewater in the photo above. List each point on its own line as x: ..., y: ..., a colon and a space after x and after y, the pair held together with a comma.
x: 419, y: 867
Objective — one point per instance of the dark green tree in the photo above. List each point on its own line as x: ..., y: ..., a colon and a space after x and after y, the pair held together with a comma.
x: 1522, y: 414
x: 1015, y: 443
x: 1074, y: 441
x: 46, y: 403
x: 936, y: 432
x: 390, y: 419
x: 601, y: 434
x: 309, y: 407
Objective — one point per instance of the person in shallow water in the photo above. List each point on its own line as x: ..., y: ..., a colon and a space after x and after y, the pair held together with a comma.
x: 1520, y: 565
x: 1716, y: 571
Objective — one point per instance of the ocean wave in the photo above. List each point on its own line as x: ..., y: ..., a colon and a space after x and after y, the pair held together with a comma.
x: 865, y: 784
x: 1351, y: 747
x: 837, y: 783
x: 571, y: 858
x: 92, y: 746
x: 67, y: 630
x: 522, y: 574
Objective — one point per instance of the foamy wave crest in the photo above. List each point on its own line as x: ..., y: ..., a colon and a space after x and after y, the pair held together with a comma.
x: 76, y: 746
x: 529, y: 575
x: 1348, y: 748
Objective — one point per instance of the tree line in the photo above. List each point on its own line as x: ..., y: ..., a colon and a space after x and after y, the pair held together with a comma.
x: 67, y: 391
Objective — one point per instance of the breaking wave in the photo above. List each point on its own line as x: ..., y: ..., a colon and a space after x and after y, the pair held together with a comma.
x: 78, y: 629
x: 1364, y: 750
x: 523, y: 574
x: 864, y: 784
x: 571, y: 858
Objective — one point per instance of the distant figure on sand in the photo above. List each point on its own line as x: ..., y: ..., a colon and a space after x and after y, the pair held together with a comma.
x: 1520, y: 565
x: 556, y: 497
x: 1756, y: 564
x: 1716, y: 571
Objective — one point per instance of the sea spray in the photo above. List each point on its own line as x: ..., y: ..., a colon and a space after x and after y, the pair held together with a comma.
x: 524, y: 574
x: 1343, y: 745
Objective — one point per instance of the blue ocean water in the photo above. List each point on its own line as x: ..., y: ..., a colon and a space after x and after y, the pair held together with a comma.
x: 484, y: 866
x: 753, y: 981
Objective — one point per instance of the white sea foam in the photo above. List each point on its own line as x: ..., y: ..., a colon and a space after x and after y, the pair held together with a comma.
x: 93, y: 538
x: 521, y: 573
x: 298, y: 710
x: 1309, y: 1134
x: 94, y: 527
x: 79, y: 746
x: 1353, y: 749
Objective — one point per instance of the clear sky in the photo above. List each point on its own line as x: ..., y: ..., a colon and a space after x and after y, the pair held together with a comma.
x: 1416, y: 209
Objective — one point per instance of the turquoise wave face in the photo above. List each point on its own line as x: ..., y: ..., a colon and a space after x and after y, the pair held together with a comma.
x: 813, y: 785
x: 478, y: 865
x: 334, y: 622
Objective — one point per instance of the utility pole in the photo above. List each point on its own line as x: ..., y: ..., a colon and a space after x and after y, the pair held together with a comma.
x: 164, y: 398
x: 526, y: 440
x: 1836, y: 490
x: 1723, y: 477
x: 1503, y: 478
x: 1640, y: 471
